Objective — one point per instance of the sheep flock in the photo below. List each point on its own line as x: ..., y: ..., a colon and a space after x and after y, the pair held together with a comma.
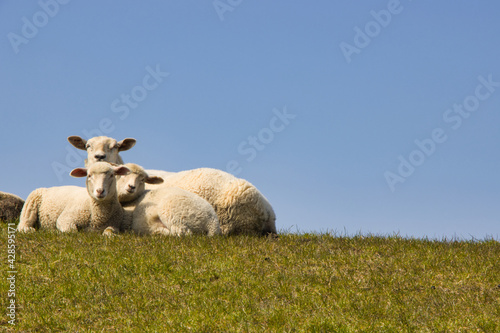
x: 122, y: 197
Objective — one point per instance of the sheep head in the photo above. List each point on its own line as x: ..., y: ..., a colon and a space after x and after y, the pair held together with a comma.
x: 131, y: 186
x: 101, y: 181
x: 102, y: 148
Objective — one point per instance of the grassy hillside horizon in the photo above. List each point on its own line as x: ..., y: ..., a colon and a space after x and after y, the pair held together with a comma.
x: 295, y: 283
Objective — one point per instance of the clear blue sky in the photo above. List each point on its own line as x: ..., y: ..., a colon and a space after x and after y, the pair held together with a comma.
x: 373, y: 117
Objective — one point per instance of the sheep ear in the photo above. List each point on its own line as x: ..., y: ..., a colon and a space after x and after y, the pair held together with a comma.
x: 126, y: 144
x: 79, y: 172
x: 154, y: 180
x: 77, y: 142
x: 121, y: 171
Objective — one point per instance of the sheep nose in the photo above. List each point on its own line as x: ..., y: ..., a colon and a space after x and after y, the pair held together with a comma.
x: 132, y: 187
x: 99, y: 191
x: 100, y: 157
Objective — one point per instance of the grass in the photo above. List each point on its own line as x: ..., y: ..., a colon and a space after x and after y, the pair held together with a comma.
x: 296, y: 283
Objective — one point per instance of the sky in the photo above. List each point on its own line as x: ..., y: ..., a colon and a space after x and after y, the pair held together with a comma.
x: 372, y: 117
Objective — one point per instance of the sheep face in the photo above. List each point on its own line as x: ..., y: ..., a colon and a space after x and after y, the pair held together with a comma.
x: 131, y: 186
x: 101, y: 182
x: 102, y: 148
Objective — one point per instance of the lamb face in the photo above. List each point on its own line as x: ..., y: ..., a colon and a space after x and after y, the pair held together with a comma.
x: 101, y: 184
x: 131, y: 186
x: 101, y: 181
x: 102, y: 148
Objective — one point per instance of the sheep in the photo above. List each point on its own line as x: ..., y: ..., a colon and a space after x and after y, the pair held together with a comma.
x: 240, y: 207
x: 72, y: 208
x: 10, y: 206
x: 105, y: 149
x: 164, y: 210
x: 102, y: 148
x: 44, y: 205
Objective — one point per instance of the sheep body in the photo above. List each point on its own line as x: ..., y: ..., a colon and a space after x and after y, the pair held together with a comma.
x: 71, y: 208
x: 240, y: 207
x: 10, y: 206
x: 173, y: 211
x: 159, y: 173
x: 44, y: 206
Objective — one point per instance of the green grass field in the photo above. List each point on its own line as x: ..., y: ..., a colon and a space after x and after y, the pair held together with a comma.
x: 297, y: 283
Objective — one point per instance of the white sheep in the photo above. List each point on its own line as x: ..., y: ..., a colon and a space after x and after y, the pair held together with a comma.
x: 240, y: 207
x: 164, y: 210
x: 106, y: 149
x: 71, y: 208
x: 102, y: 148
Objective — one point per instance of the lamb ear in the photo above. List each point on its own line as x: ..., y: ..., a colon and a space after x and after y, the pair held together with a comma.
x: 79, y: 172
x: 77, y: 142
x: 154, y: 180
x: 121, y: 171
x: 126, y: 144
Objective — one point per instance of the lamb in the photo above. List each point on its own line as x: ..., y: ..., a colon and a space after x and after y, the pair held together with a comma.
x: 72, y: 208
x: 105, y: 149
x: 10, y: 206
x: 164, y: 210
x: 240, y: 207
x: 102, y: 148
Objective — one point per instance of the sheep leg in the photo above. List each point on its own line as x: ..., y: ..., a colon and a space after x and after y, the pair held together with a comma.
x: 68, y: 220
x: 180, y: 230
x: 173, y: 230
x: 173, y: 223
x: 110, y: 231
x: 65, y: 226
x: 161, y: 231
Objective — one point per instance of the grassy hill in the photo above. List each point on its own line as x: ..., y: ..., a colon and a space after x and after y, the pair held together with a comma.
x: 296, y: 283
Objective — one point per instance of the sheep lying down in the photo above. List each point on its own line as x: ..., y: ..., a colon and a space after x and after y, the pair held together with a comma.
x: 10, y: 206
x: 164, y: 210
x: 172, y: 211
x: 240, y: 207
x: 72, y: 208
